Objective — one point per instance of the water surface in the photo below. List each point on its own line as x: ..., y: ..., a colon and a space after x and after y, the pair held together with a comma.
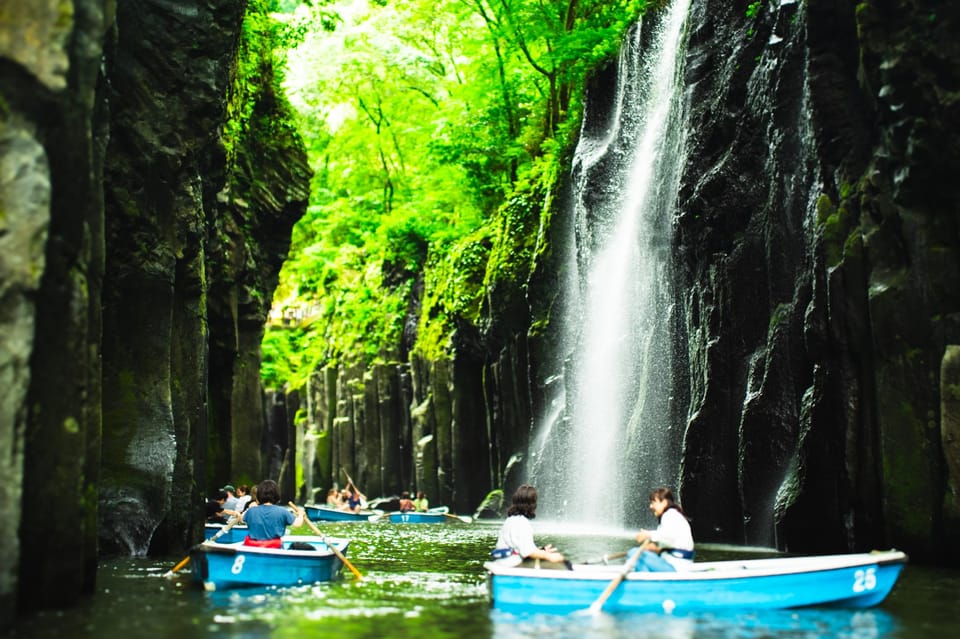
x: 427, y: 581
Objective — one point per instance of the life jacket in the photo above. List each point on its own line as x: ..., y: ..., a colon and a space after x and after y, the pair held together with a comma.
x: 262, y: 543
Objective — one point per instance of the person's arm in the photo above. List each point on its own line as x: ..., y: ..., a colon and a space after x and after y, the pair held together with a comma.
x: 547, y: 553
x: 300, y: 519
x: 648, y: 537
x: 517, y: 532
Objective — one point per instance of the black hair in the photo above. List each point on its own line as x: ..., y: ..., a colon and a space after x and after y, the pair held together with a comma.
x: 268, y: 492
x: 524, y: 502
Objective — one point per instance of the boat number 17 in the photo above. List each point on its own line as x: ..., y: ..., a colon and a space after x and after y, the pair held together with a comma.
x: 864, y: 580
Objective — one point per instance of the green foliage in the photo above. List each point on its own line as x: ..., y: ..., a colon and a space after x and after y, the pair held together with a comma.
x: 453, y: 290
x: 839, y: 225
x: 753, y: 9
x: 435, y: 130
x: 259, y: 80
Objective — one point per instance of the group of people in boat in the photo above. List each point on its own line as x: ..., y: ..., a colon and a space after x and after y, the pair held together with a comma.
x: 228, y: 503
x: 668, y: 548
x: 418, y: 504
x: 350, y: 499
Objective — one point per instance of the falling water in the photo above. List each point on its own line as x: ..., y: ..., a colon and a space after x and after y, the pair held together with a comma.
x: 613, y: 441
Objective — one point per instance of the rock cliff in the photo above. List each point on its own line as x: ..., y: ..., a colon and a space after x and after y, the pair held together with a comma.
x: 142, y: 238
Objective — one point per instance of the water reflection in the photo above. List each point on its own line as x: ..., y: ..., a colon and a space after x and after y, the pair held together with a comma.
x: 848, y: 624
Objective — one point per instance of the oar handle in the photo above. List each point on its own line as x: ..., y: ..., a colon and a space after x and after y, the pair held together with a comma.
x: 612, y: 586
x: 336, y: 551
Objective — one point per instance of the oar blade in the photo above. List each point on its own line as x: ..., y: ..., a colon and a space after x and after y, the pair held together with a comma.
x: 183, y: 562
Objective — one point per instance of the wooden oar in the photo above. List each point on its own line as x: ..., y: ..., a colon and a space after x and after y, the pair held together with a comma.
x: 465, y: 519
x: 376, y: 515
x: 330, y: 545
x: 183, y: 562
x: 356, y: 491
x: 606, y: 558
x: 223, y: 531
x: 627, y: 569
x: 350, y: 479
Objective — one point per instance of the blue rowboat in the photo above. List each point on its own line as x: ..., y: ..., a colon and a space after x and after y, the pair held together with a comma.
x: 413, y: 517
x: 221, y: 566
x: 237, y: 533
x: 850, y: 581
x: 436, y: 515
x: 325, y: 513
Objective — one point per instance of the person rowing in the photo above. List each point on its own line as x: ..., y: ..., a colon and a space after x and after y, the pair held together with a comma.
x: 267, y: 522
x: 670, y: 546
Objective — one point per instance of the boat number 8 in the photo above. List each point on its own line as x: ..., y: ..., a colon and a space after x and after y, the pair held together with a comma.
x: 238, y: 565
x: 864, y: 580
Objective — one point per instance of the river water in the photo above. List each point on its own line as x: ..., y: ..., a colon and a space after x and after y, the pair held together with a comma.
x: 427, y: 581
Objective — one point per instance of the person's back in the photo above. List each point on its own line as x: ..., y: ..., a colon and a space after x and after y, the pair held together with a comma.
x: 406, y: 504
x: 515, y: 542
x: 516, y: 535
x: 267, y: 522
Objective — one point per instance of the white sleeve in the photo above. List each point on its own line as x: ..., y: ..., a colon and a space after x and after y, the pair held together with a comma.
x: 673, y: 531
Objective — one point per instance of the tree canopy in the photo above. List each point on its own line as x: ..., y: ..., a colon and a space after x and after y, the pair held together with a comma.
x: 423, y: 119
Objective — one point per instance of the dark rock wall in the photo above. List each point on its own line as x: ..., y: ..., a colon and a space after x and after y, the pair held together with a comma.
x: 817, y: 237
x: 52, y: 135
x: 169, y: 76
x: 419, y: 426
x: 138, y: 258
x: 197, y: 232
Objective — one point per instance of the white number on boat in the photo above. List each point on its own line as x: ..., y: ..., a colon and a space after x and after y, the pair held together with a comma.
x: 864, y: 580
x: 238, y: 565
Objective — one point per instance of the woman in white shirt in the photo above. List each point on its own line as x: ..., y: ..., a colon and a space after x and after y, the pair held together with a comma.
x: 670, y: 546
x: 515, y: 541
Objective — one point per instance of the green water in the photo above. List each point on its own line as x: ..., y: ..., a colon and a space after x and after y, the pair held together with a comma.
x: 427, y: 581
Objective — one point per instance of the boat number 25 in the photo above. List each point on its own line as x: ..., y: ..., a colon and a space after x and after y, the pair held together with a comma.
x: 238, y: 566
x: 864, y: 579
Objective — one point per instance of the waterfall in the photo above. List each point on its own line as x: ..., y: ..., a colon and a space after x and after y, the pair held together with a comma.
x: 609, y: 439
